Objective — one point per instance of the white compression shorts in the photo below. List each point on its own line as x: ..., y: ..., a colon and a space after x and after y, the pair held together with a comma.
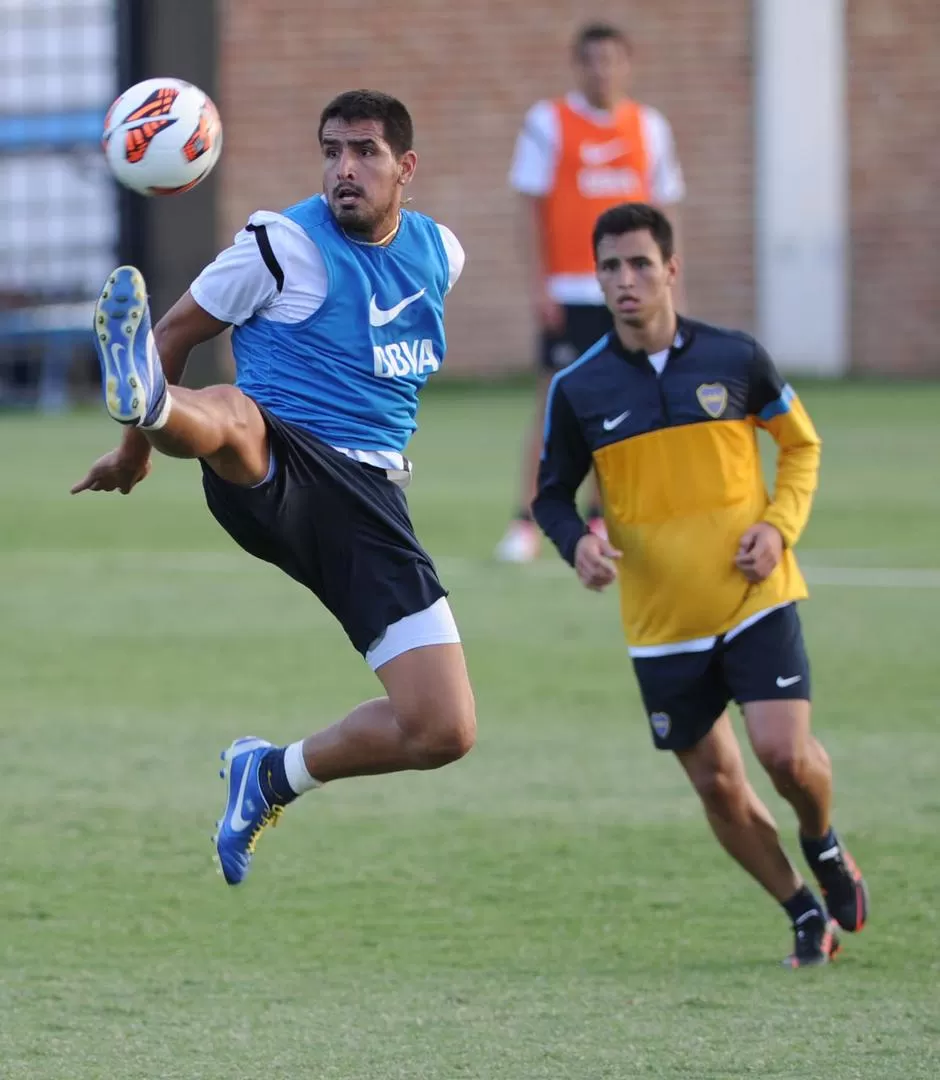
x: 433, y: 626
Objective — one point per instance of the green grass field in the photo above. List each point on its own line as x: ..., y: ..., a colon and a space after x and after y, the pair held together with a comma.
x: 551, y: 907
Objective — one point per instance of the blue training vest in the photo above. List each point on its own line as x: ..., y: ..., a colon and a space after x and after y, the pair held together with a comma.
x: 351, y: 372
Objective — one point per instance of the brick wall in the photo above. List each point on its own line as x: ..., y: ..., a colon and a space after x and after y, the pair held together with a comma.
x: 468, y: 71
x: 894, y: 88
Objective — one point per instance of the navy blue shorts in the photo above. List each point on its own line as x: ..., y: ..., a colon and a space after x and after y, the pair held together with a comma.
x: 686, y: 693
x: 339, y: 527
x: 584, y: 326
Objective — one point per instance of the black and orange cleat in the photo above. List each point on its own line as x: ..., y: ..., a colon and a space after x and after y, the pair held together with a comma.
x: 841, y: 881
x: 816, y: 942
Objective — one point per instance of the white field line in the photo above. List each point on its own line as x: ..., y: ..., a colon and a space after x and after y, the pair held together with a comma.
x: 450, y: 566
x: 861, y: 578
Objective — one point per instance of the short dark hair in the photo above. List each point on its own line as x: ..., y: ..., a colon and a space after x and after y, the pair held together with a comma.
x: 598, y: 32
x: 353, y: 105
x: 635, y: 217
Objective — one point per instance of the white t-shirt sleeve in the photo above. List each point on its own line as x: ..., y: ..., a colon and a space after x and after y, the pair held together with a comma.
x: 667, y: 181
x: 456, y: 257
x: 536, y: 154
x: 239, y: 284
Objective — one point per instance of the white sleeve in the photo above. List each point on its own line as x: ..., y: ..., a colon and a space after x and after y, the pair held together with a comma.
x: 239, y: 283
x: 668, y: 183
x: 536, y: 153
x: 456, y: 257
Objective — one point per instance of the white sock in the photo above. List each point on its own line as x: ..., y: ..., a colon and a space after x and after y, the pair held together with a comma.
x: 295, y: 768
x: 162, y: 418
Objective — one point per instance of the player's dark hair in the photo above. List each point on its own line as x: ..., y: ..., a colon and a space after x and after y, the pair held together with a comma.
x: 354, y: 105
x: 598, y: 32
x: 635, y: 217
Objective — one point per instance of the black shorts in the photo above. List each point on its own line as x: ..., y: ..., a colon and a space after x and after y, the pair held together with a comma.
x: 585, y: 325
x: 338, y: 527
x: 684, y: 694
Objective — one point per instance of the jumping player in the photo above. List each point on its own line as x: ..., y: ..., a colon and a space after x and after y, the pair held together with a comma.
x: 337, y: 306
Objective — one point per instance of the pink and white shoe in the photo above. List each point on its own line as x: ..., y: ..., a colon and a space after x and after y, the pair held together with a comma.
x: 520, y: 543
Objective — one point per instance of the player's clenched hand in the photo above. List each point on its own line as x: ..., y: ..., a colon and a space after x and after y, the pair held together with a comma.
x: 594, y: 562
x: 118, y: 470
x: 760, y: 550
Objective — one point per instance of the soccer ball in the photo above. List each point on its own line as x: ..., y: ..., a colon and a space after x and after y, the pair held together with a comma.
x: 162, y: 136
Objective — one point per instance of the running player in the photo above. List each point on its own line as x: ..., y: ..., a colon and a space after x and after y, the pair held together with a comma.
x: 666, y: 410
x: 337, y: 306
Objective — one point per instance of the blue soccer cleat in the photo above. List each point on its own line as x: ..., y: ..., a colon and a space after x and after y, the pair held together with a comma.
x: 131, y: 376
x: 247, y: 812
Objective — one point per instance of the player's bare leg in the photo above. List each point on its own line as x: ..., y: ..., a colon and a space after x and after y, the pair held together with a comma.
x: 746, y: 830
x: 426, y: 721
x: 522, y: 540
x: 801, y: 772
x: 741, y: 822
x: 219, y: 424
x: 533, y: 447
x: 795, y: 761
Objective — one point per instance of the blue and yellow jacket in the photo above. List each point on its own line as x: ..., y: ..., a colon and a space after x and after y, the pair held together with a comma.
x: 679, y: 469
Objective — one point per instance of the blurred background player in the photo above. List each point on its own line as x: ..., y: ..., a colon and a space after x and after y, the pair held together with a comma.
x: 302, y: 461
x: 574, y: 158
x: 666, y: 410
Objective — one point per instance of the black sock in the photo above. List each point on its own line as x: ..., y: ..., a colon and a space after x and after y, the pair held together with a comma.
x: 812, y: 849
x: 802, y: 905
x: 595, y: 511
x: 273, y: 779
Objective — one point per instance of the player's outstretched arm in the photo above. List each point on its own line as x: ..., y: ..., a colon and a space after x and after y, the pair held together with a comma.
x: 121, y: 469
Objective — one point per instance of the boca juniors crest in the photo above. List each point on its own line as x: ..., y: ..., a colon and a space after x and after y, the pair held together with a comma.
x: 661, y: 723
x: 713, y: 397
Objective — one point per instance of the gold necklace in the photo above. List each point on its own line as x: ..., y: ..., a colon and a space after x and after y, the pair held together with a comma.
x: 385, y: 239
